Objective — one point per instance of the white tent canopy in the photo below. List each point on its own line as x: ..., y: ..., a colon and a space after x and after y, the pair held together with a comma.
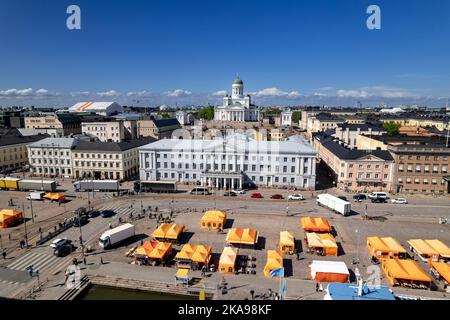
x: 318, y: 266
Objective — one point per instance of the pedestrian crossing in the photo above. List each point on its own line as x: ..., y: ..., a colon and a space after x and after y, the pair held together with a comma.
x: 40, y: 261
x: 121, y: 211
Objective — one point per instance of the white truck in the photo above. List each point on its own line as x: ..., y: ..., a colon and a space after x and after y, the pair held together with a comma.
x: 36, y: 195
x: 334, y: 203
x: 97, y: 185
x: 114, y: 236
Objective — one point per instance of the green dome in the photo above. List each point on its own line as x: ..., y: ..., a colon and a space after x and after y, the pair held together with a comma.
x: 237, y: 81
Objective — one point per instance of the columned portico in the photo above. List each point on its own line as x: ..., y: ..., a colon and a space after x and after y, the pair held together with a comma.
x: 222, y: 180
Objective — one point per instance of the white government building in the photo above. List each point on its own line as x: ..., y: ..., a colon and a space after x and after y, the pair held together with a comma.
x: 237, y: 107
x: 234, y: 161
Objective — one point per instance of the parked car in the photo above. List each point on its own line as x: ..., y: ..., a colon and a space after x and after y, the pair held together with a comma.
x: 399, y: 201
x: 80, y: 221
x: 295, y: 197
x: 200, y: 191
x: 107, y: 213
x: 230, y: 194
x: 256, y: 195
x: 359, y: 197
x: 60, y: 242
x: 239, y: 191
x: 277, y: 197
x: 64, y: 250
x: 93, y: 213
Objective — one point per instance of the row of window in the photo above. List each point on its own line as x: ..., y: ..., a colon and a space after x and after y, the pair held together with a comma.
x: 223, y: 167
x: 217, y: 157
x: 50, y: 161
x: 418, y: 181
x: 50, y: 153
x: 368, y: 166
x: 367, y: 175
x: 427, y: 158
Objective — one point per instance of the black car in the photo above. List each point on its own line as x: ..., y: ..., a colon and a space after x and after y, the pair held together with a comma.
x: 93, y: 213
x: 343, y: 198
x: 107, y: 213
x: 64, y: 250
x: 359, y: 197
x: 80, y: 221
x: 230, y: 194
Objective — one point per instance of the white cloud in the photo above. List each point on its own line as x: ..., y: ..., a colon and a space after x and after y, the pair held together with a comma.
x: 16, y: 92
x: 220, y: 93
x: 375, y: 91
x: 352, y: 94
x: 110, y: 93
x: 275, y: 92
x: 42, y: 92
x: 178, y: 93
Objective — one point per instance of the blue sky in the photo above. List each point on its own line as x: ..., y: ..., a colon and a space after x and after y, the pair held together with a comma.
x: 179, y: 52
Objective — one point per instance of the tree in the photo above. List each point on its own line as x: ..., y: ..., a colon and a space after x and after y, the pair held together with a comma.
x: 391, y: 128
x: 206, y: 113
x: 296, y: 117
x: 165, y: 115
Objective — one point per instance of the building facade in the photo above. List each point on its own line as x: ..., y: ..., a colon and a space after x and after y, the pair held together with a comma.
x: 158, y: 129
x: 348, y: 133
x: 105, y: 131
x: 68, y: 123
x: 234, y: 162
x: 107, y: 160
x: 238, y: 107
x: 13, y: 149
x: 52, y: 157
x: 355, y: 170
x: 421, y: 168
x: 322, y: 122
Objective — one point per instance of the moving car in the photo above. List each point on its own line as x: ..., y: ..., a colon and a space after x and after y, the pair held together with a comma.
x: 64, y: 250
x: 256, y: 195
x: 295, y: 197
x: 80, y: 221
x: 239, y: 191
x: 60, y: 242
x: 359, y: 197
x: 200, y: 190
x: 277, y: 196
x: 93, y: 213
x: 378, y: 196
x: 399, y: 201
x: 230, y: 194
x: 343, y: 198
x: 107, y: 213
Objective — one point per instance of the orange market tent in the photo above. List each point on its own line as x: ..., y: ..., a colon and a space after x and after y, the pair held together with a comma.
x: 9, y: 217
x: 287, y: 242
x: 315, y: 224
x: 54, y: 196
x: 227, y: 261
x: 385, y: 248
x: 322, y: 242
x: 214, y: 220
x: 430, y: 249
x: 329, y: 271
x: 442, y: 269
x: 274, y: 262
x: 169, y: 231
x: 242, y: 236
x: 194, y: 255
x: 405, y: 273
x: 154, y: 250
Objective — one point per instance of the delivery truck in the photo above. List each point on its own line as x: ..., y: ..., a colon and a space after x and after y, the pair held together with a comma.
x: 44, y: 185
x: 9, y: 183
x: 334, y: 203
x: 155, y: 186
x: 114, y: 236
x: 36, y: 196
x: 97, y: 185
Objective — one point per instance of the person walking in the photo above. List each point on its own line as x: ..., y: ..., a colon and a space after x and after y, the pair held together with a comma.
x: 317, y: 287
x: 4, y: 255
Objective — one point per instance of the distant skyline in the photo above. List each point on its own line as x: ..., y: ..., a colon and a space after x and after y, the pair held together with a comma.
x: 288, y: 52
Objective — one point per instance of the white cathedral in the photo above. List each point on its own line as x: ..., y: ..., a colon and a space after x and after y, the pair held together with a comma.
x: 237, y: 107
